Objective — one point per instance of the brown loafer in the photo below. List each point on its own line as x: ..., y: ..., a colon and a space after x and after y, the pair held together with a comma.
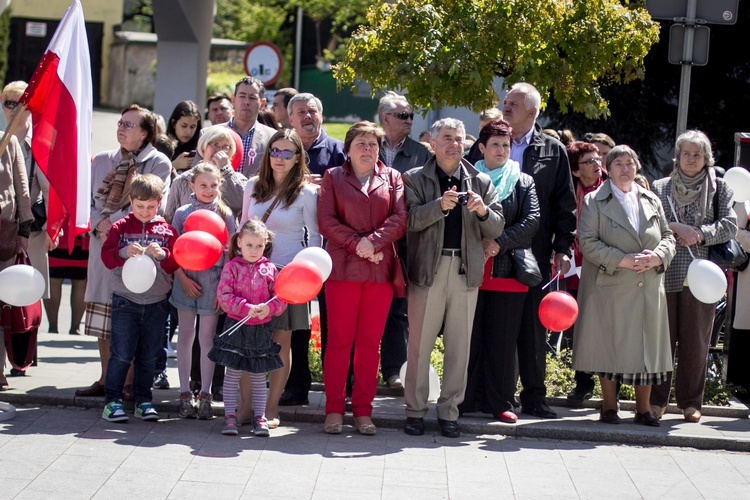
x: 691, y: 414
x: 609, y: 416
x: 94, y: 390
x: 647, y: 418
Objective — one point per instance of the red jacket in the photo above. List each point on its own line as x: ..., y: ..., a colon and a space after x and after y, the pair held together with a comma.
x: 346, y: 213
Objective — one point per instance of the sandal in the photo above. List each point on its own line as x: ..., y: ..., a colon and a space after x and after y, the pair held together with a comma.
x: 366, y: 428
x: 335, y: 426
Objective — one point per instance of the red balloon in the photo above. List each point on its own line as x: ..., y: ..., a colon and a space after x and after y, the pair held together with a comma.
x: 299, y: 282
x: 197, y: 251
x: 208, y: 221
x: 558, y: 311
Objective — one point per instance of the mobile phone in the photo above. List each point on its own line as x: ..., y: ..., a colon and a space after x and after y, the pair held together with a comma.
x: 191, y: 154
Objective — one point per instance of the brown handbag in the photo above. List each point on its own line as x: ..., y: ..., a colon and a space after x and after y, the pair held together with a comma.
x: 400, y: 277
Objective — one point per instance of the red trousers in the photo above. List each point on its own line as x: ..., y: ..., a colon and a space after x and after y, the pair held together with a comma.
x: 357, y: 312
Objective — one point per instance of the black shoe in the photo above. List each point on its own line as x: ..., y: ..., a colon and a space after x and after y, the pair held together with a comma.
x: 414, y: 426
x: 289, y: 399
x: 217, y: 393
x: 540, y: 410
x: 15, y: 372
x: 161, y: 381
x: 449, y: 428
x: 579, y: 395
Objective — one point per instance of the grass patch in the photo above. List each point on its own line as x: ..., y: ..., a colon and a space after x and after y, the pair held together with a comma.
x: 336, y: 130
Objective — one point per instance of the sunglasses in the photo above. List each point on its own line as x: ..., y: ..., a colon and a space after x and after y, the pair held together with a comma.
x: 283, y: 153
x: 10, y: 104
x: 403, y: 115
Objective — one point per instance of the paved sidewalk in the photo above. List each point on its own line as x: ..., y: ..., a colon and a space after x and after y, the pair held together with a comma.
x: 68, y: 362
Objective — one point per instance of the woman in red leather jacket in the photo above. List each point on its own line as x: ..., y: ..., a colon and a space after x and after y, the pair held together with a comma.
x: 361, y: 213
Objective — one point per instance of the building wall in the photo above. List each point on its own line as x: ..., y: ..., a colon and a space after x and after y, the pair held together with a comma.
x: 108, y: 12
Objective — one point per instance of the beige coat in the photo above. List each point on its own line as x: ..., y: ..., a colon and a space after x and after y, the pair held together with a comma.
x: 742, y: 299
x: 622, y: 323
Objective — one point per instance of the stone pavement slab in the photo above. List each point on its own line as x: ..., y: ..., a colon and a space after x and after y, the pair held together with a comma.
x: 83, y: 456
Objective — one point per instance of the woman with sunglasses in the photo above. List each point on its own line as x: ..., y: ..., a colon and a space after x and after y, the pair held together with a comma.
x: 284, y: 199
x: 362, y: 214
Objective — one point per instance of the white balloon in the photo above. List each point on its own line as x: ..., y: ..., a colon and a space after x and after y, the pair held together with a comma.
x: 707, y: 282
x: 317, y: 256
x: 21, y: 285
x: 739, y: 180
x: 139, y: 273
x: 434, y: 382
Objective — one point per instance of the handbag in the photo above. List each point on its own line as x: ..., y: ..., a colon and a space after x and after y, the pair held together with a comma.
x: 39, y: 211
x: 728, y: 255
x: 525, y: 267
x: 519, y: 264
x: 400, y: 277
x: 20, y: 326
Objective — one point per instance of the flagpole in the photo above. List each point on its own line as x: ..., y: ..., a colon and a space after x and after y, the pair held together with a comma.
x: 11, y: 128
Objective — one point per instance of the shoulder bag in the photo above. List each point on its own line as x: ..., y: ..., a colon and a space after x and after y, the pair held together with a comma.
x: 728, y: 255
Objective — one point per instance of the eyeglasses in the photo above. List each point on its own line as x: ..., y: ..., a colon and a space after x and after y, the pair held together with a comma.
x: 226, y: 148
x: 10, y: 104
x: 403, y: 115
x: 127, y: 125
x: 591, y: 161
x: 283, y: 153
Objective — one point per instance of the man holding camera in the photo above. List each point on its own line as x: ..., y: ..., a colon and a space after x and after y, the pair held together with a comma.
x: 452, y: 207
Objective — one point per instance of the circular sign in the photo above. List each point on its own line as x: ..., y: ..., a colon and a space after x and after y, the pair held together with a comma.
x: 727, y: 15
x: 263, y: 61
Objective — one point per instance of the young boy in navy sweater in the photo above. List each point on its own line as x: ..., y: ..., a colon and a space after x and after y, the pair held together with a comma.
x: 138, y: 318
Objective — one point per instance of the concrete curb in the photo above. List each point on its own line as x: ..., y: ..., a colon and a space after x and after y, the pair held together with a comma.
x: 559, y: 429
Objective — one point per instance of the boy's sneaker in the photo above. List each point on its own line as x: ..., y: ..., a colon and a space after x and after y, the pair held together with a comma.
x: 114, y: 412
x: 204, y: 407
x: 161, y: 381
x: 187, y: 410
x: 230, y: 426
x: 260, y: 427
x: 145, y: 411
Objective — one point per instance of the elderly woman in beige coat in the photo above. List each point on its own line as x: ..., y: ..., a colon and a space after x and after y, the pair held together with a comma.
x: 622, y: 333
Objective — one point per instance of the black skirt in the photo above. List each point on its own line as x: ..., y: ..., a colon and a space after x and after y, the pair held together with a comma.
x: 250, y: 348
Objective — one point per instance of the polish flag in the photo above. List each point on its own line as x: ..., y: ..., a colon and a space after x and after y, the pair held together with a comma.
x: 59, y: 97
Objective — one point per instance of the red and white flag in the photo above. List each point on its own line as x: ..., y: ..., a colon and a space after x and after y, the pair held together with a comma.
x: 60, y: 99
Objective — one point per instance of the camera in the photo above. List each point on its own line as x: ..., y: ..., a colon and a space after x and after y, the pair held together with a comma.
x: 463, y: 197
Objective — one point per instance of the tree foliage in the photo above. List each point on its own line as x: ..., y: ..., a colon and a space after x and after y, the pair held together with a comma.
x: 448, y: 53
x: 4, y: 42
x: 644, y: 113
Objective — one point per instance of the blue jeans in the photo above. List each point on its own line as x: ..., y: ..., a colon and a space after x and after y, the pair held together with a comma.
x: 137, y: 332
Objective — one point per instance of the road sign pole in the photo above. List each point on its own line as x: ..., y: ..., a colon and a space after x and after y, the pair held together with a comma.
x: 687, y: 66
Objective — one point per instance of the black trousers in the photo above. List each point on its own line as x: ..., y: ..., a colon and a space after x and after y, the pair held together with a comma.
x: 300, y: 379
x: 491, y: 384
x: 532, y: 346
x: 395, y: 336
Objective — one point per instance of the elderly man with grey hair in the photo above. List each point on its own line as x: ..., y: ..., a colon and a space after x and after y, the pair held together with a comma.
x: 403, y: 153
x: 306, y: 116
x: 452, y: 207
x: 399, y: 151
x: 324, y: 152
x: 545, y: 159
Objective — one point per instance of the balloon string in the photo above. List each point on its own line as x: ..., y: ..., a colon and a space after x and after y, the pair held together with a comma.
x: 555, y: 277
x: 269, y: 300
x: 229, y: 331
